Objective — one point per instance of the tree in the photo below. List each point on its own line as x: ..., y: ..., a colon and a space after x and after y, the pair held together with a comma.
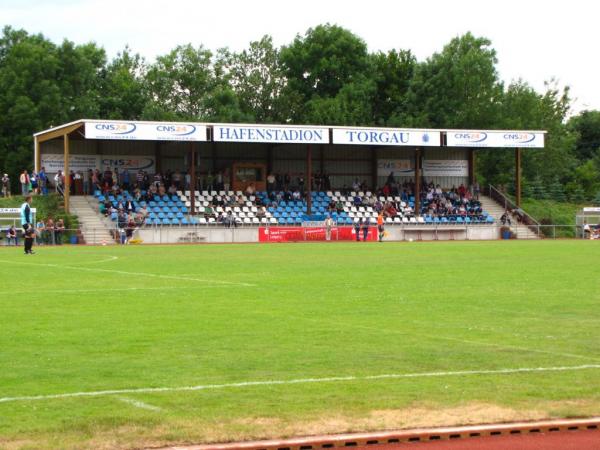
x: 318, y: 66
x: 42, y: 85
x: 179, y: 84
x: 124, y: 95
x: 556, y: 191
x: 538, y: 190
x: 257, y: 79
x: 393, y: 74
x: 587, y: 127
x: 458, y: 87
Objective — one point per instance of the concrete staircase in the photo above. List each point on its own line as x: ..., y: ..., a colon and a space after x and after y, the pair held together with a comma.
x: 496, y: 211
x: 93, y: 226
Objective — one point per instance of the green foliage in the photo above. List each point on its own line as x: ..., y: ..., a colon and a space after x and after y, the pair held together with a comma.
x: 48, y: 206
x: 538, y: 191
x: 556, y: 191
x: 597, y: 199
x: 458, y: 87
x: 325, y: 76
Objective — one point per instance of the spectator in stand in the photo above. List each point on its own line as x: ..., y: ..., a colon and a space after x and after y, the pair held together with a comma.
x: 250, y: 190
x: 59, y: 229
x: 6, y: 186
x: 505, y: 218
x: 219, y: 181
x: 209, y: 181
x: 11, y: 235
x: 125, y: 179
x: 476, y: 189
x: 226, y: 180
x: 24, y: 180
x: 339, y: 206
x: 140, y: 219
x: 270, y: 183
x: 107, y: 177
x: 172, y: 189
x: 261, y: 213
x: 129, y: 206
x: 287, y: 179
x: 208, y: 211
x: 301, y: 183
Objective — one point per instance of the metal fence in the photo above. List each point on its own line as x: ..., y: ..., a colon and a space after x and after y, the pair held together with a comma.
x: 203, y: 233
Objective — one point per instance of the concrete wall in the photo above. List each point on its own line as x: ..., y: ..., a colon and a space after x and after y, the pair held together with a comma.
x: 177, y: 235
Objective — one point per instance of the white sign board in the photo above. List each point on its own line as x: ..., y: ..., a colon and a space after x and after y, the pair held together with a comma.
x: 128, y: 162
x: 400, y: 167
x: 445, y: 168
x: 386, y: 137
x: 501, y: 139
x: 13, y: 210
x: 55, y: 162
x: 271, y: 133
x: 144, y: 131
x: 591, y: 209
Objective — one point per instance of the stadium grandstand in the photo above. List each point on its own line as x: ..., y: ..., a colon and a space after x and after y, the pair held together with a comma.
x: 265, y: 182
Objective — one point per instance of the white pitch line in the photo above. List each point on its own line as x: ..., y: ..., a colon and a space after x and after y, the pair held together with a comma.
x: 139, y: 404
x: 123, y: 289
x: 109, y: 259
x: 122, y: 272
x: 299, y: 381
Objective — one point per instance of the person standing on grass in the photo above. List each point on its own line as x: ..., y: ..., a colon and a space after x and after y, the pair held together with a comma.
x: 357, y: 227
x: 328, y: 226
x: 26, y: 223
x: 6, y: 186
x: 365, y: 229
x: 380, y: 228
x: 24, y: 179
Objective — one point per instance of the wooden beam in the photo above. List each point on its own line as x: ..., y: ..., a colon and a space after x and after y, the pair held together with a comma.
x: 67, y: 185
x: 57, y: 133
x: 36, y: 155
x: 417, y: 182
x: 471, y: 167
x: 518, y: 177
x: 192, y: 170
x: 308, y: 180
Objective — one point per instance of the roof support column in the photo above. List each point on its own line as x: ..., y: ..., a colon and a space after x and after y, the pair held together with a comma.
x: 192, y: 170
x: 37, y: 155
x: 308, y: 180
x: 518, y: 177
x: 417, y: 182
x: 374, y: 168
x: 67, y: 183
x: 471, y: 167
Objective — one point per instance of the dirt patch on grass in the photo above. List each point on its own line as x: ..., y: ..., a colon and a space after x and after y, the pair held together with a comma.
x: 200, y: 430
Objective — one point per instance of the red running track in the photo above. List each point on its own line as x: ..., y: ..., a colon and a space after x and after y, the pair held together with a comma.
x: 566, y: 440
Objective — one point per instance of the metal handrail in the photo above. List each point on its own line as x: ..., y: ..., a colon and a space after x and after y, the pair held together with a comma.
x: 502, y: 199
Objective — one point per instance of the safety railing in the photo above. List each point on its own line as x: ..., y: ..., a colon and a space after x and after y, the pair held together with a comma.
x: 512, y: 207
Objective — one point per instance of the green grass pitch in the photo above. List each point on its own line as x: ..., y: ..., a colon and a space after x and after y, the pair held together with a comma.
x: 451, y: 323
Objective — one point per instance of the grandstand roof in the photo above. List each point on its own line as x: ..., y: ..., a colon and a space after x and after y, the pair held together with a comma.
x: 290, y: 134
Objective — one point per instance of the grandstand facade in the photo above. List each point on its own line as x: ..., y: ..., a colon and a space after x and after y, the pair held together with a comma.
x: 258, y: 175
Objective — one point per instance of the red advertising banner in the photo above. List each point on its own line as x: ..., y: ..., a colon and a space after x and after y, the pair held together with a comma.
x: 301, y: 234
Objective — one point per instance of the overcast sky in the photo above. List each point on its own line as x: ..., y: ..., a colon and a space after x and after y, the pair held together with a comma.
x: 534, y: 40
